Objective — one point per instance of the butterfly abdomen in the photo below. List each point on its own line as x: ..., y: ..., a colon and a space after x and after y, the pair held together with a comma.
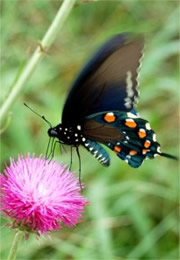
x: 97, y: 151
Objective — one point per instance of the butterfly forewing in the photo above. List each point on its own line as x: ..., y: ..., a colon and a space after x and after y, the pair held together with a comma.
x: 108, y: 81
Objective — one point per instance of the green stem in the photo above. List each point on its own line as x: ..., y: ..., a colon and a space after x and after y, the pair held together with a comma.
x: 46, y: 42
x: 14, y: 247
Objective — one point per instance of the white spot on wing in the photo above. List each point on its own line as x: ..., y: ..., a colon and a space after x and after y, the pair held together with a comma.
x: 131, y: 115
x: 110, y: 114
x: 128, y: 102
x: 159, y: 149
x: 154, y: 137
x: 129, y: 90
x: 155, y: 155
x: 137, y: 77
x: 129, y: 120
x: 129, y: 83
x: 148, y: 127
x: 142, y: 130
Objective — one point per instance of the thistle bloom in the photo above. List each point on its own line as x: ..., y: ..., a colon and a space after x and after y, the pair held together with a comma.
x: 38, y: 194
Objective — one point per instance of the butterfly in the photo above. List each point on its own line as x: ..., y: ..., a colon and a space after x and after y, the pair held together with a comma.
x: 99, y: 108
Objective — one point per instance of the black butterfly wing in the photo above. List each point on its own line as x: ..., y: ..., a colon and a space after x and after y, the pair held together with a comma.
x: 108, y: 82
x: 128, y: 135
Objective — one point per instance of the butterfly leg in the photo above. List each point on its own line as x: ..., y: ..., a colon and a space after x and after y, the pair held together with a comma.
x: 53, y: 149
x: 53, y: 146
x: 64, y: 148
x: 47, y: 149
x: 60, y: 149
x: 79, y: 157
x: 70, y: 160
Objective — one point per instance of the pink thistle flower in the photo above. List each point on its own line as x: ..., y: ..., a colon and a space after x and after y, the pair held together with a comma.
x: 39, y: 194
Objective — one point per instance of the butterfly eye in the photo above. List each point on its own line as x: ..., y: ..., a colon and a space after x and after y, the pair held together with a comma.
x: 52, y: 132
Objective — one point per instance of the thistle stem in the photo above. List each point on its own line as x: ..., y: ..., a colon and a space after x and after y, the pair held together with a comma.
x: 38, y: 53
x: 14, y: 247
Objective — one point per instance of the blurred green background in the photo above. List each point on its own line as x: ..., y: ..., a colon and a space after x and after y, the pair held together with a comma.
x: 133, y: 213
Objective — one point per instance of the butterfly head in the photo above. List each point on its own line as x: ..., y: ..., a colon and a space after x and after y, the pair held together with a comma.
x: 66, y: 135
x: 52, y: 132
x: 57, y: 132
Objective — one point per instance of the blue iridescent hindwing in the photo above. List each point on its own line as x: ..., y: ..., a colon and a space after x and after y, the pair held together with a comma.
x: 137, y: 140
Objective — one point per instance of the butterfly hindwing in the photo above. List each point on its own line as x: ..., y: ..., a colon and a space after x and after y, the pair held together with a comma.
x: 129, y: 136
x: 108, y: 81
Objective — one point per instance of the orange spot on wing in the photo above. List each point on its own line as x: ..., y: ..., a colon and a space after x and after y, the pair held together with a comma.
x: 133, y: 152
x: 117, y: 149
x: 130, y: 123
x: 109, y: 117
x: 144, y: 151
x: 142, y: 133
x: 147, y: 144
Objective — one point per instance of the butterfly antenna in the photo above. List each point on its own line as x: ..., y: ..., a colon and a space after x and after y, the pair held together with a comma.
x: 39, y: 115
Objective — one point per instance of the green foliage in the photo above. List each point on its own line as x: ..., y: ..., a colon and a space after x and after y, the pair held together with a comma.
x: 133, y: 212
